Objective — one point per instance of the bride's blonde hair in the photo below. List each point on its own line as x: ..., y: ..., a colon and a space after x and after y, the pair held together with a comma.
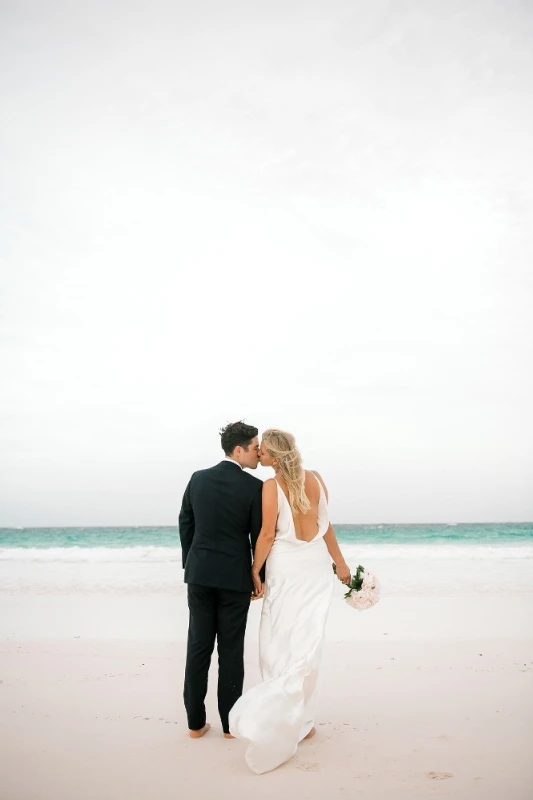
x: 282, y: 447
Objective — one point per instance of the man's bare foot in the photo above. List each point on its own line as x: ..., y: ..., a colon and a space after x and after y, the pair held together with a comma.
x: 200, y: 733
x: 310, y: 734
x: 228, y: 736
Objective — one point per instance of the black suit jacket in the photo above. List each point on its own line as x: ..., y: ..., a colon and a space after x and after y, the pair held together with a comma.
x: 219, y: 522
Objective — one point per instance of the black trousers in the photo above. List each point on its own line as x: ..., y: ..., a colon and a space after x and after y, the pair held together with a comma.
x: 220, y: 614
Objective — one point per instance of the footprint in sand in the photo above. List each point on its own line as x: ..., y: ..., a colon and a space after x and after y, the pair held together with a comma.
x: 310, y: 766
x: 439, y: 776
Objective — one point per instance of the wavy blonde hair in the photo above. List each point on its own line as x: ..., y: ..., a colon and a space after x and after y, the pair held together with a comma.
x: 282, y: 446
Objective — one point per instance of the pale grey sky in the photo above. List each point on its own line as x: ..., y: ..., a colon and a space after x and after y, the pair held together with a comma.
x: 316, y: 216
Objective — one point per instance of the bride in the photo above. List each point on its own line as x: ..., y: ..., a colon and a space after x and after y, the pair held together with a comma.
x: 300, y: 544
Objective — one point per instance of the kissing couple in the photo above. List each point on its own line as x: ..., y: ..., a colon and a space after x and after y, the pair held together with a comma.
x: 244, y: 540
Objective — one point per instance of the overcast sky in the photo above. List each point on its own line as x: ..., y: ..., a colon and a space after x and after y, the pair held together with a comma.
x: 316, y: 216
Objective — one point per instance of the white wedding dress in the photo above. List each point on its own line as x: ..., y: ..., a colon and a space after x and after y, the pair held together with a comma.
x: 278, y: 713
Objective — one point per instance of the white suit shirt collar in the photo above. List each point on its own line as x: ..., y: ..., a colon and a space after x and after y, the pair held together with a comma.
x: 232, y: 461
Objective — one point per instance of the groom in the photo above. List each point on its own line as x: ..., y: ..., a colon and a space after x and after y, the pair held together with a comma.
x: 219, y: 522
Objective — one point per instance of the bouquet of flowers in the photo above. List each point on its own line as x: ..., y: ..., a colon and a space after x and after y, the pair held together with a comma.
x: 363, y: 589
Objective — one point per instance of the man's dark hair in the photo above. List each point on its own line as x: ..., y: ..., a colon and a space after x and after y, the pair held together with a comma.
x: 237, y: 434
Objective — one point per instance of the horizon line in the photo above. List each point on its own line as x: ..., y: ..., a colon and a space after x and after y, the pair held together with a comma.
x: 357, y: 524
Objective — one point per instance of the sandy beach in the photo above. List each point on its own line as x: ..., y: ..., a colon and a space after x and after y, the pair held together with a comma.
x: 224, y: 223
x: 421, y: 698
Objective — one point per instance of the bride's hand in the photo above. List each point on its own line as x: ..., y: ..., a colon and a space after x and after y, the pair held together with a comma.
x: 258, y: 587
x: 343, y: 572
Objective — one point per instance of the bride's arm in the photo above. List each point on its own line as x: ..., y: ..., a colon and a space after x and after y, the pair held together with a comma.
x: 267, y: 534
x: 342, y: 568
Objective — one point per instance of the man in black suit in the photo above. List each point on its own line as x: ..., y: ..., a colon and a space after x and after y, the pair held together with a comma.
x: 219, y: 522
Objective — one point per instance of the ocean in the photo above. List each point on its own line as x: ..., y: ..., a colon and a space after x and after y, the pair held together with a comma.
x: 430, y: 559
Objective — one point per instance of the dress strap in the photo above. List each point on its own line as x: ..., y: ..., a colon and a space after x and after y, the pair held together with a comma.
x: 320, y: 484
x: 315, y: 476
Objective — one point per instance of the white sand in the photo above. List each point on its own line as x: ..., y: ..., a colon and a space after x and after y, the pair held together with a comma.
x: 422, y: 698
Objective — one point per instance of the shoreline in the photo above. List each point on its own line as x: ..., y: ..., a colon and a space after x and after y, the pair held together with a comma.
x: 163, y: 617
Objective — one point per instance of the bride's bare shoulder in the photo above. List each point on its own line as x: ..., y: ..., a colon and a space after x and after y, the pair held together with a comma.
x: 320, y: 478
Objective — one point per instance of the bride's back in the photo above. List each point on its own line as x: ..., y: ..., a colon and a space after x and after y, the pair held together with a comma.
x: 306, y: 526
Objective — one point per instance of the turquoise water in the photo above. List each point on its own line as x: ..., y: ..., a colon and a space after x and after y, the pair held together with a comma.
x: 409, y: 559
x: 491, y: 534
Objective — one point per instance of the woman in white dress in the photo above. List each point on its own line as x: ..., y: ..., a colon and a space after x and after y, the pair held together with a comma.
x: 298, y: 544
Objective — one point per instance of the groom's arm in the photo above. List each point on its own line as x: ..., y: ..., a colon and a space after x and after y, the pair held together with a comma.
x: 256, y: 521
x: 186, y: 523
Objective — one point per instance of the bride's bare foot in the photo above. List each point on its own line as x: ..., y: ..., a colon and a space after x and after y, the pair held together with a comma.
x: 200, y: 733
x: 310, y: 734
x: 228, y: 736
